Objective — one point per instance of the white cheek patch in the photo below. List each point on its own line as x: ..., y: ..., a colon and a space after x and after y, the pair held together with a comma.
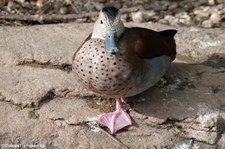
x: 98, y: 37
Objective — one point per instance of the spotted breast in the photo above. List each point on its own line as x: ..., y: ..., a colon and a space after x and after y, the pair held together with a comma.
x: 104, y: 73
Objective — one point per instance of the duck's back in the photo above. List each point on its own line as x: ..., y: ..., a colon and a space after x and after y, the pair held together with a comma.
x: 149, y: 44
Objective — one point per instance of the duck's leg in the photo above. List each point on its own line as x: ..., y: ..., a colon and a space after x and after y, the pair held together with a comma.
x: 116, y: 120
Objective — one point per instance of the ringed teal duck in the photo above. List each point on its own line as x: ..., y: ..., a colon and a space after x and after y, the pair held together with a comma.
x: 119, y: 62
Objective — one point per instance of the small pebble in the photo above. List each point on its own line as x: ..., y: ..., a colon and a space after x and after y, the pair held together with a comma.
x: 68, y: 1
x: 63, y: 10
x: 184, y: 18
x: 160, y: 5
x: 99, y: 6
x: 173, y: 6
x: 164, y: 21
x: 149, y: 14
x: 171, y: 19
x: 207, y: 24
x: 39, y: 4
x: 215, y: 17
x: 203, y: 2
x: 211, y: 2
x: 138, y: 17
x: 202, y: 12
x: 10, y: 6
x: 20, y: 1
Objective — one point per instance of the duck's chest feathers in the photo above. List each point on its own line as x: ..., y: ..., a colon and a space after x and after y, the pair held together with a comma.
x: 102, y: 72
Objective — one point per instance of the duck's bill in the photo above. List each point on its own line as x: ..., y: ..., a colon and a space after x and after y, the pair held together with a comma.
x: 110, y: 42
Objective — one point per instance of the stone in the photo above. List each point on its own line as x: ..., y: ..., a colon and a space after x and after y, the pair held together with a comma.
x: 211, y: 2
x: 149, y: 14
x: 173, y: 6
x: 202, y: 2
x: 171, y: 19
x: 20, y: 1
x: 164, y: 21
x: 215, y: 17
x: 63, y: 10
x: 207, y: 23
x: 183, y: 18
x: 138, y: 17
x: 202, y: 12
x: 10, y: 6
x: 143, y: 16
x: 160, y: 5
x: 99, y: 6
x: 39, y: 3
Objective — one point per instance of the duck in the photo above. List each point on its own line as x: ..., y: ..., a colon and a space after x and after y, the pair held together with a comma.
x: 119, y: 62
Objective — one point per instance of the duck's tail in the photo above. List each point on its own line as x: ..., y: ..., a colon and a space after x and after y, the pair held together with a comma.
x: 169, y: 35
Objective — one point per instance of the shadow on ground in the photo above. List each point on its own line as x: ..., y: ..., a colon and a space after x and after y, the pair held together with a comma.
x: 192, y: 90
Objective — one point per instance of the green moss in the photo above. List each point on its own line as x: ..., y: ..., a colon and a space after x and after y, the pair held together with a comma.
x: 32, y: 115
x: 162, y: 83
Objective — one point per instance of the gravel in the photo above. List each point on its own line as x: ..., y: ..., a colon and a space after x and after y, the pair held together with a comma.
x: 202, y: 13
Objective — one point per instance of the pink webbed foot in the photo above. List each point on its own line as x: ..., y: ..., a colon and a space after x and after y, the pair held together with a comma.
x: 116, y: 120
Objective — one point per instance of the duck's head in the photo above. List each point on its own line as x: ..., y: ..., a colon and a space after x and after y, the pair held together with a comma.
x: 109, y: 27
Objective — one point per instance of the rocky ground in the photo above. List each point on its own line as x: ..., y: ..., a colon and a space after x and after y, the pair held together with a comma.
x: 203, y: 13
x: 42, y: 106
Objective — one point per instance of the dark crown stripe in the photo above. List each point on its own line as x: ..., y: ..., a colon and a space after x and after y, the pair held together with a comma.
x: 111, y: 12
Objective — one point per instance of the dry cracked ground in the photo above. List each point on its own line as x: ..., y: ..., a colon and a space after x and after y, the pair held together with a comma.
x: 42, y: 106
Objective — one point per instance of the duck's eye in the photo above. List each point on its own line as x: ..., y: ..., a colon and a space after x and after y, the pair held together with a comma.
x: 101, y: 22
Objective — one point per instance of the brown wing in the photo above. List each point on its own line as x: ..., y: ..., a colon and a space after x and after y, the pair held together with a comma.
x: 89, y: 37
x: 148, y: 44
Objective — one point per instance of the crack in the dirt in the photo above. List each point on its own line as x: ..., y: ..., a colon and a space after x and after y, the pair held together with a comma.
x: 34, y: 63
x: 220, y: 129
x: 83, y: 123
x: 50, y: 95
x: 45, y: 99
x: 3, y: 99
